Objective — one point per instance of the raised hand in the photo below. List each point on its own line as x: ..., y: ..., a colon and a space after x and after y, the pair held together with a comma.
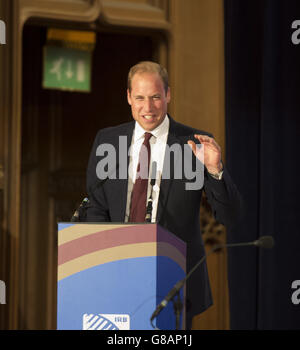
x: 212, y: 153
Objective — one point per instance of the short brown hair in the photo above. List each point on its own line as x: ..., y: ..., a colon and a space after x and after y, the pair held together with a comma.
x: 148, y: 67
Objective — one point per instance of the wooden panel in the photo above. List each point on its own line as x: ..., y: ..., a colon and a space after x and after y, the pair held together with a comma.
x: 4, y: 109
x: 15, y: 13
x: 72, y: 10
x: 140, y: 13
x: 196, y: 66
x: 9, y: 158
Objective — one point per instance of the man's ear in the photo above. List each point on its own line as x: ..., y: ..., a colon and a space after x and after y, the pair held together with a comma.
x: 168, y: 95
x: 128, y: 97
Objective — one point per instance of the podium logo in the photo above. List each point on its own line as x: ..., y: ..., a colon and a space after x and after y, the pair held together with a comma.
x: 105, y: 322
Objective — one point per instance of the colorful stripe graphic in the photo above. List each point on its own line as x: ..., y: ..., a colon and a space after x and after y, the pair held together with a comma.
x: 109, y: 271
x: 86, y: 245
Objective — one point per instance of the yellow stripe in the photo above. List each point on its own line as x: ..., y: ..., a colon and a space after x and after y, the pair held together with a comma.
x: 119, y: 253
x: 71, y: 35
x: 77, y: 231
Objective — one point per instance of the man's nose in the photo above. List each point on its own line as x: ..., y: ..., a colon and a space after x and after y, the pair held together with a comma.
x: 148, y: 105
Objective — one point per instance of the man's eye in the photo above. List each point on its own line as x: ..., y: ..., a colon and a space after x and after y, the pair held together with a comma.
x: 156, y: 97
x: 139, y: 98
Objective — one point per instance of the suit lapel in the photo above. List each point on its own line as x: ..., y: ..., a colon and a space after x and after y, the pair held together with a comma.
x: 120, y: 185
x: 165, y: 185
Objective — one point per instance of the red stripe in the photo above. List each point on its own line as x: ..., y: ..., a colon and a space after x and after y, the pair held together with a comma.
x: 104, y: 240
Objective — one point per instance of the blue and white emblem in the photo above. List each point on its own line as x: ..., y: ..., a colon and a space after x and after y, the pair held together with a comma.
x: 105, y: 322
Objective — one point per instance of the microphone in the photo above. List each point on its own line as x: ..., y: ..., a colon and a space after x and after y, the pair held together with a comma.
x: 97, y: 184
x: 76, y: 215
x: 150, y: 200
x: 153, y: 173
x: 266, y: 242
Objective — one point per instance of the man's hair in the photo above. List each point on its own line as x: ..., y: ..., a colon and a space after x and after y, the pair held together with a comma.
x: 148, y: 67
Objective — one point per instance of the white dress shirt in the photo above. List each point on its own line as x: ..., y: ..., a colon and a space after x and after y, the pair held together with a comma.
x: 158, y: 146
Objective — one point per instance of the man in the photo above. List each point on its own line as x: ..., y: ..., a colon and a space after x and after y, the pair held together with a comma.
x: 174, y: 206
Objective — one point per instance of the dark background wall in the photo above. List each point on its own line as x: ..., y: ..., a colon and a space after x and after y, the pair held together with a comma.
x: 262, y: 143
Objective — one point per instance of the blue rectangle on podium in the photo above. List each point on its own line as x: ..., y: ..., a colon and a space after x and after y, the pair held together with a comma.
x: 112, y: 276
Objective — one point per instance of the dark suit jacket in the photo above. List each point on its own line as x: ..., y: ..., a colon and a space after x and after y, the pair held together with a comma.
x: 178, y: 209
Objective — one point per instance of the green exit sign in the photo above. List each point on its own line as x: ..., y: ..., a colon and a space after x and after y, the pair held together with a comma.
x: 67, y: 69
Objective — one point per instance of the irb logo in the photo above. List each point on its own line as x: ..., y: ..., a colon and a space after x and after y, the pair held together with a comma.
x: 2, y: 33
x: 2, y: 292
x: 105, y: 322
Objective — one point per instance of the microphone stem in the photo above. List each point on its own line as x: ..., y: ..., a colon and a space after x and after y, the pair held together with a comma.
x: 263, y: 242
x: 181, y: 283
x: 217, y: 247
x: 149, y: 207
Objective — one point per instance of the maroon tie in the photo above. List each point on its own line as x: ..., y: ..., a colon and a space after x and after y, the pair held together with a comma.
x: 139, y: 192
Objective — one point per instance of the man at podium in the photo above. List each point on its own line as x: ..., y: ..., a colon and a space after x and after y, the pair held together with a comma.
x: 153, y: 176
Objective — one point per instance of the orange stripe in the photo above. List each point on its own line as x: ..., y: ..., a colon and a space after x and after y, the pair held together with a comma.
x: 103, y: 240
x: 80, y: 230
x: 138, y: 250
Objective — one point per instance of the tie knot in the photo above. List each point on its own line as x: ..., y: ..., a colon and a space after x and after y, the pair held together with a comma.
x: 148, y: 135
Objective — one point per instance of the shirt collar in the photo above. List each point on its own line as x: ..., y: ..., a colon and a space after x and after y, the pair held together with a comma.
x: 161, y: 130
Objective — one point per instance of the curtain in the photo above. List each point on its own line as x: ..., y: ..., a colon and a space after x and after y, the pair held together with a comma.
x: 262, y: 75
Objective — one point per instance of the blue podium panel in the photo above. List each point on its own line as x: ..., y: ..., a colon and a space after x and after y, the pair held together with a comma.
x: 113, y: 276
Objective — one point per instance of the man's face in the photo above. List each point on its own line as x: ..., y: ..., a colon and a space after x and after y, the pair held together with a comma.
x: 148, y: 100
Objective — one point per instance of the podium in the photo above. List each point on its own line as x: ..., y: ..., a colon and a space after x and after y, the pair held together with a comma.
x: 113, y: 276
